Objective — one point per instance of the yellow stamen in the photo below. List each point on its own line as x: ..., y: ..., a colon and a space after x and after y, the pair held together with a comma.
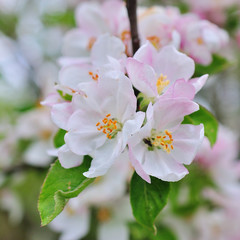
x: 162, y: 82
x: 200, y: 41
x: 94, y: 76
x: 162, y: 140
x: 109, y: 127
x: 155, y: 40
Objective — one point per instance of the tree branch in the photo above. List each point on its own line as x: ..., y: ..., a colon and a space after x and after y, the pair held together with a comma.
x: 132, y: 14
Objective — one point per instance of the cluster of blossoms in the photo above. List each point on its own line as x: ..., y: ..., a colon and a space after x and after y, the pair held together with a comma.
x: 187, y: 32
x: 99, y: 108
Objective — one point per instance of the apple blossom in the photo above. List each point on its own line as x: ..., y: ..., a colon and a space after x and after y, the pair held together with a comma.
x: 163, y: 145
x: 200, y: 38
x: 108, y: 113
x: 167, y: 71
x: 162, y: 32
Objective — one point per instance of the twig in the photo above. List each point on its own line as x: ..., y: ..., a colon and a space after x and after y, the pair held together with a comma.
x: 132, y: 14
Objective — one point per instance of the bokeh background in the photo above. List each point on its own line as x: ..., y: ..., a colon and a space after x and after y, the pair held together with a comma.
x: 31, y: 38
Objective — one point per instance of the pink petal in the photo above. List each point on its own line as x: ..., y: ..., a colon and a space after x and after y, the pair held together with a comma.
x: 198, y: 83
x: 180, y: 89
x: 137, y: 166
x: 169, y: 112
x: 142, y: 76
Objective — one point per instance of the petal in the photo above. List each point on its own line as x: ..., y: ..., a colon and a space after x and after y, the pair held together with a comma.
x: 159, y: 164
x: 72, y: 226
x: 180, y: 89
x: 186, y: 141
x: 198, y: 83
x: 70, y: 76
x: 137, y: 166
x: 84, y: 142
x: 67, y: 158
x: 61, y: 113
x: 75, y: 43
x: 169, y: 113
x: 146, y: 54
x: 89, y: 16
x: 132, y: 126
x: 51, y: 99
x: 142, y: 76
x: 175, y: 65
x: 106, y: 46
x: 103, y: 159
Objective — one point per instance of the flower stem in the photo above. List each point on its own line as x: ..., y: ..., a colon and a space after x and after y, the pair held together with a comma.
x: 132, y: 14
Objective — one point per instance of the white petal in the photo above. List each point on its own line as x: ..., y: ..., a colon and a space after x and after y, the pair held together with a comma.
x: 61, y: 113
x: 160, y: 164
x: 72, y: 75
x: 186, y: 141
x: 67, y: 158
x: 103, y: 159
x: 106, y: 46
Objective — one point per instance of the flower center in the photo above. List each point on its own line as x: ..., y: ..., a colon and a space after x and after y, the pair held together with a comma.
x: 160, y: 140
x: 94, y: 76
x: 155, y: 41
x: 162, y: 82
x: 103, y: 214
x: 200, y: 41
x: 109, y: 126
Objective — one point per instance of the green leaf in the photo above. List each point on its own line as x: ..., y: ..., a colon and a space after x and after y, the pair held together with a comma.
x: 58, y: 140
x: 209, y: 121
x: 65, y: 96
x: 217, y: 65
x: 147, y: 200
x: 60, y: 185
x: 61, y: 18
x: 140, y: 233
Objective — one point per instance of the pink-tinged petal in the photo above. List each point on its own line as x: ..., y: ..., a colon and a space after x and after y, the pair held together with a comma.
x: 175, y: 65
x: 103, y: 159
x: 51, y: 99
x: 61, y: 113
x: 72, y: 75
x: 110, y: 230
x: 132, y: 126
x: 159, y: 164
x: 106, y: 45
x: 186, y: 141
x: 90, y: 18
x: 146, y: 54
x: 142, y: 76
x: 137, y: 166
x: 76, y: 44
x: 198, y: 83
x: 169, y: 112
x: 67, y: 158
x: 180, y: 89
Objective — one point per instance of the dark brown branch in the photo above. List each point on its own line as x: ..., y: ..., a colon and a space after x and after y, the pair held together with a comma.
x: 132, y: 14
